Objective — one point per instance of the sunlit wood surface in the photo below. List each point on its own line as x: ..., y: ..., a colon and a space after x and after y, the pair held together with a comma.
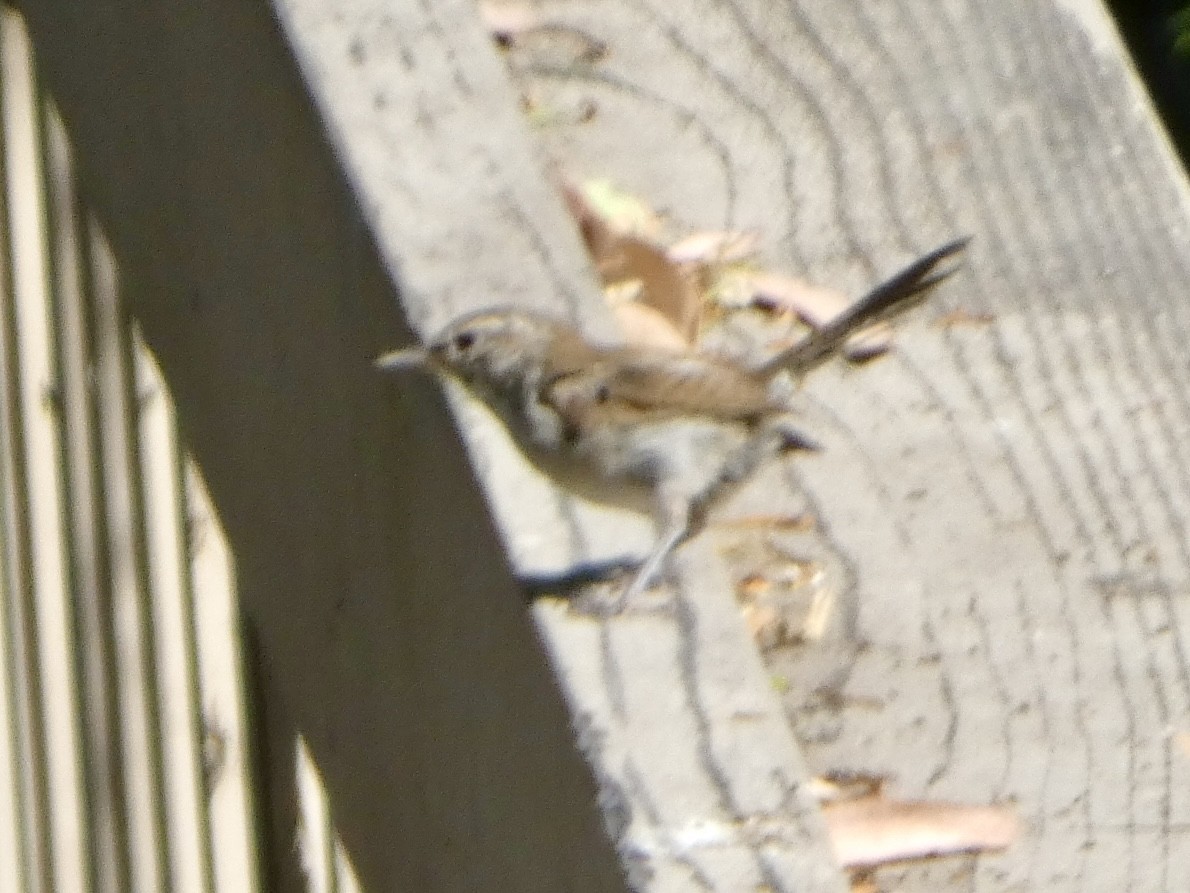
x: 1002, y: 505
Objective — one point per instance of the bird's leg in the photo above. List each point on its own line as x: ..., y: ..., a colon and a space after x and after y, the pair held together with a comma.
x: 675, y: 514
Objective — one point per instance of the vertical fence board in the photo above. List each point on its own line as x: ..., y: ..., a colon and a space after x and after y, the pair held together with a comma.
x: 39, y: 409
x: 133, y: 647
x: 226, y: 771
x: 172, y: 627
x: 100, y: 721
x: 24, y: 694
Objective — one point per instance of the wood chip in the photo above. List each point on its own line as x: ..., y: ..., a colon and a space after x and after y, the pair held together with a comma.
x: 960, y: 317
x: 753, y: 586
x: 870, y: 831
x: 818, y: 618
x: 1182, y: 740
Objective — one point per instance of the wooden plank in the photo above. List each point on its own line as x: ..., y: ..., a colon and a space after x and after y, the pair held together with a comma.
x: 417, y: 680
x: 54, y: 646
x: 260, y: 257
x: 1011, y: 548
x: 705, y: 788
x: 1001, y: 509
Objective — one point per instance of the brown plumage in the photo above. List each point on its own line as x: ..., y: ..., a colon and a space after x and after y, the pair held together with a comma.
x: 633, y: 426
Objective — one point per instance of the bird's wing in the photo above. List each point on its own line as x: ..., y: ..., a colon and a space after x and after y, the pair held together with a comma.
x: 631, y: 385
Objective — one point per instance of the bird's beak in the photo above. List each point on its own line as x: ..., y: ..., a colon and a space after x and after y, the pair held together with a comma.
x: 401, y: 360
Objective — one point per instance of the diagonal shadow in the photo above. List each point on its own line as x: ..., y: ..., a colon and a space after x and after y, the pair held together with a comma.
x: 388, y: 628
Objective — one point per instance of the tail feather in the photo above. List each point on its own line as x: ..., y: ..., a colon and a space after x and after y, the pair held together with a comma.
x: 892, y: 297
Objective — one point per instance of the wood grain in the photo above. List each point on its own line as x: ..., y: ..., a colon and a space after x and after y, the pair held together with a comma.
x: 1001, y: 507
x: 1000, y: 513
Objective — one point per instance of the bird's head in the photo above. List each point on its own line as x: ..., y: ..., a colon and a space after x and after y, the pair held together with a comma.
x: 490, y: 348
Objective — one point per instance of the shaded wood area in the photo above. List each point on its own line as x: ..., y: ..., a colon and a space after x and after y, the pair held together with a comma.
x: 387, y: 628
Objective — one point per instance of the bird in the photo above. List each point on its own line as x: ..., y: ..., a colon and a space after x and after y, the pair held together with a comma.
x: 661, y: 432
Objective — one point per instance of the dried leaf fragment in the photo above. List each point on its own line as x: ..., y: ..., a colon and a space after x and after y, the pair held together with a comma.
x: 815, y: 305
x: 665, y: 286
x: 773, y: 604
x: 753, y: 586
x: 870, y: 831
x: 621, y: 211
x: 513, y: 24
x: 643, y: 326
x: 833, y: 787
x: 795, y: 523
x: 765, y: 624
x: 609, y: 222
x: 505, y: 21
x: 709, y: 248
x: 960, y: 317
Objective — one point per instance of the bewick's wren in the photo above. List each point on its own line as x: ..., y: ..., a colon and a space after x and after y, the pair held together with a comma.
x: 649, y: 429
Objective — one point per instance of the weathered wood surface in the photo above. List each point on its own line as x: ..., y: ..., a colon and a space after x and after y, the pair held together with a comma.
x: 263, y: 250
x: 1002, y: 507
x: 700, y: 781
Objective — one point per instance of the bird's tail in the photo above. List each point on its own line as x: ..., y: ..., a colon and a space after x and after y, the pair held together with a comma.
x: 895, y: 295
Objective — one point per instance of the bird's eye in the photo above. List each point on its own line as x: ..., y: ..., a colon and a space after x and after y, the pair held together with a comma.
x: 463, y: 341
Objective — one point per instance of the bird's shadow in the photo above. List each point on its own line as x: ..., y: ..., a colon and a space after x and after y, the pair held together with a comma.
x: 576, y: 580
x: 596, y: 590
